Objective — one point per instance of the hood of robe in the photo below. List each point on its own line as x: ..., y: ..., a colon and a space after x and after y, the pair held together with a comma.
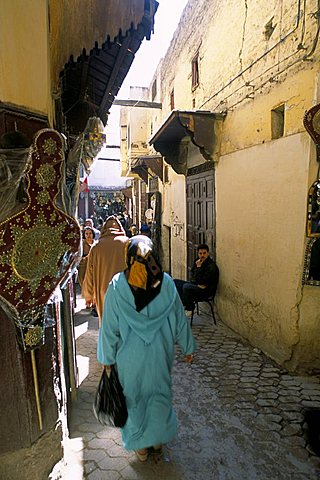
x: 112, y: 227
x: 151, y: 318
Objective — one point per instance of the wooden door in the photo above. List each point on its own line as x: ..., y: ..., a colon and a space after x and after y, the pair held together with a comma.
x: 200, y: 213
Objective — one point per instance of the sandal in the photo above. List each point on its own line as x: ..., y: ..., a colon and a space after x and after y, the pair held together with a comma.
x: 142, y: 454
x: 157, y: 449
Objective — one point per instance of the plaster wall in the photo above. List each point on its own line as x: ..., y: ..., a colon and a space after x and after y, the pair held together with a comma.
x: 134, y: 125
x: 250, y: 123
x: 156, y: 116
x: 124, y: 158
x: 235, y: 59
x: 261, y: 184
x: 261, y: 217
x: 246, y: 71
x: 174, y: 208
x: 24, y: 73
x: 138, y: 126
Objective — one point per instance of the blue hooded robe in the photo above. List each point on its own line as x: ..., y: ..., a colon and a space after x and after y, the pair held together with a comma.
x: 142, y: 344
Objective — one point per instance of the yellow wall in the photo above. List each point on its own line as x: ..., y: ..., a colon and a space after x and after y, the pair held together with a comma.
x: 24, y: 76
x: 33, y: 53
x: 261, y: 184
x: 250, y: 123
x: 174, y: 208
x: 261, y: 215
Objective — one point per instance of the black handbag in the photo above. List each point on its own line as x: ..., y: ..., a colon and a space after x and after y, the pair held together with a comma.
x: 110, y: 404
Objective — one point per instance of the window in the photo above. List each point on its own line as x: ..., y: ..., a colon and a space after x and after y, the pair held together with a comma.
x: 195, y: 71
x: 123, y: 133
x: 277, y: 122
x: 166, y: 174
x: 172, y: 99
x: 313, y: 210
x: 154, y: 89
x: 269, y: 28
x: 128, y: 136
x: 311, y: 274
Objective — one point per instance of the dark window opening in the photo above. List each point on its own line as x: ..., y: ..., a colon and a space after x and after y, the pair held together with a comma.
x: 166, y: 174
x: 277, y: 122
x: 195, y: 71
x: 128, y: 137
x: 172, y: 99
x: 268, y: 29
x: 311, y: 274
x: 314, y: 267
x: 154, y: 90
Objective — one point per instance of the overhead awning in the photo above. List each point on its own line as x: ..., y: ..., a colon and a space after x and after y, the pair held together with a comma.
x: 146, y: 165
x: 89, y: 82
x: 181, y: 127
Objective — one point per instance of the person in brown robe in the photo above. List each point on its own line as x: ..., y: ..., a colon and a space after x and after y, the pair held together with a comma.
x: 106, y: 258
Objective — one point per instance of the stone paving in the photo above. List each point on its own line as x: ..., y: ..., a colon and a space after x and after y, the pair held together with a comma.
x: 240, y: 416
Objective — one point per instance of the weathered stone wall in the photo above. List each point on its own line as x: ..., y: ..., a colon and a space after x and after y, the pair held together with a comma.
x: 260, y: 243
x: 174, y: 215
x: 252, y: 57
x: 235, y: 59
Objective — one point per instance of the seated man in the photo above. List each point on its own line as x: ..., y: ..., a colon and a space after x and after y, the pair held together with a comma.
x: 204, y: 280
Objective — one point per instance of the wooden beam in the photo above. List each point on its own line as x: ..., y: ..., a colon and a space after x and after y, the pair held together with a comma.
x: 122, y: 53
x: 137, y: 103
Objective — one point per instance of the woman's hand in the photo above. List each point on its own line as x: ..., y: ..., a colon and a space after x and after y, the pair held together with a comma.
x: 107, y: 368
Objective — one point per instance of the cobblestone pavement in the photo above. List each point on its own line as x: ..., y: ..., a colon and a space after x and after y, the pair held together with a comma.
x: 240, y: 416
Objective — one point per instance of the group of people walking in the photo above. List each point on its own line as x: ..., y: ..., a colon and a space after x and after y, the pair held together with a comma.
x: 141, y: 312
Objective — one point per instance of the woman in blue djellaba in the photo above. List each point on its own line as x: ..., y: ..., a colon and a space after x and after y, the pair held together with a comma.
x: 143, y: 319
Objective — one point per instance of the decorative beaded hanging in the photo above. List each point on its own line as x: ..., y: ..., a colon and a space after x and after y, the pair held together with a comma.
x: 38, y: 244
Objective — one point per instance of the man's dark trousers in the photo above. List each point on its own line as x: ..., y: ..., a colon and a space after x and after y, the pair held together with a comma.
x: 190, y: 293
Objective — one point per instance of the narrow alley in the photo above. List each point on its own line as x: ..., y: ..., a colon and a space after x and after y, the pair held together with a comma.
x: 240, y: 416
x: 195, y: 123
